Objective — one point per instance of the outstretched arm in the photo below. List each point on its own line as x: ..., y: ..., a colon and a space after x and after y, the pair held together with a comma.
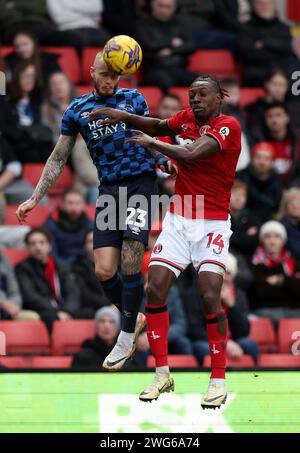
x: 152, y: 126
x: 51, y: 172
x: 202, y: 148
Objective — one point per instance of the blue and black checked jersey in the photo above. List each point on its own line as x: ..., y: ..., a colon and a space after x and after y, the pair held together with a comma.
x: 113, y: 157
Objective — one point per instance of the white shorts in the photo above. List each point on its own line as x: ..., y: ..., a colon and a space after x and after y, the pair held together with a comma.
x: 204, y: 243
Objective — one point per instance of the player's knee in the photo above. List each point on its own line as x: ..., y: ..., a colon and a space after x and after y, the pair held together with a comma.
x: 155, y: 292
x: 104, y: 273
x: 211, y: 302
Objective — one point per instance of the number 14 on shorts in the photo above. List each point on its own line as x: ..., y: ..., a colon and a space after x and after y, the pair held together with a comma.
x: 215, y: 239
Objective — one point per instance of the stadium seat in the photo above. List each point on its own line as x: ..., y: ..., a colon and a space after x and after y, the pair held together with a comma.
x: 90, y: 211
x: 5, y: 50
x: 87, y: 59
x: 176, y: 361
x: 68, y: 60
x: 183, y: 94
x: 288, y: 334
x: 35, y: 217
x: 63, y: 183
x: 293, y: 11
x: 152, y: 95
x: 218, y: 63
x: 25, y: 337
x: 279, y: 360
x: 244, y: 362
x: 67, y: 336
x: 32, y: 174
x: 15, y: 256
x: 84, y: 89
x: 249, y: 95
x: 262, y: 331
x: 51, y: 362
x: 13, y: 362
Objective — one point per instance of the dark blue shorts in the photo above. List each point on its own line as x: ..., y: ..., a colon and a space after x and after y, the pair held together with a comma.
x: 123, y: 210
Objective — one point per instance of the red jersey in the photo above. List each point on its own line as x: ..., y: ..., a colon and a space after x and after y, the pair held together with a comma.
x: 212, y: 177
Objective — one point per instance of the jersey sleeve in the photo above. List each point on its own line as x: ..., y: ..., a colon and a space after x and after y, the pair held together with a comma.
x: 140, y: 105
x: 175, y: 122
x: 69, y: 126
x: 227, y: 134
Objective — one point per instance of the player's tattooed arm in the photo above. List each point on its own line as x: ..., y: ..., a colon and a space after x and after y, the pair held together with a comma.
x: 202, y: 148
x: 51, y: 172
x: 131, y: 256
x: 152, y: 126
x: 54, y: 166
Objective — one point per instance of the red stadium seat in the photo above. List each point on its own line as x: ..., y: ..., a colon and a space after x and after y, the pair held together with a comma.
x: 218, y: 63
x: 32, y: 174
x: 14, y: 362
x: 176, y: 361
x: 90, y: 211
x: 68, y: 60
x: 244, y: 362
x: 15, y: 256
x: 63, y: 183
x: 152, y: 95
x: 5, y: 50
x: 25, y: 337
x: 249, y: 95
x: 88, y: 56
x: 84, y: 89
x: 51, y: 362
x: 279, y: 360
x: 262, y: 331
x: 35, y: 218
x: 288, y: 334
x: 67, y: 336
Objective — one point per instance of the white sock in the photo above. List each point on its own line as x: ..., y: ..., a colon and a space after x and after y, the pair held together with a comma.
x: 219, y: 381
x: 125, y: 339
x: 163, y: 369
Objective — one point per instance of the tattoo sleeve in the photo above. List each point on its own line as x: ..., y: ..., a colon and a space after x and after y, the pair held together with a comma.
x: 131, y: 256
x: 54, y: 166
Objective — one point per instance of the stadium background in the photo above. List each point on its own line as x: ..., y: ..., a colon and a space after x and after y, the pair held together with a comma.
x: 46, y: 402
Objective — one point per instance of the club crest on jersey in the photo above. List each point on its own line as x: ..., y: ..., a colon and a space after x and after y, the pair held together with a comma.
x: 224, y: 132
x: 126, y: 107
x: 204, y: 129
x: 157, y: 249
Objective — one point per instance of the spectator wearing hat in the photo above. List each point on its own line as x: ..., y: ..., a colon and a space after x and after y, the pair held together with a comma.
x: 276, y: 284
x: 94, y: 351
x: 291, y: 220
x: 234, y: 302
x: 264, y: 183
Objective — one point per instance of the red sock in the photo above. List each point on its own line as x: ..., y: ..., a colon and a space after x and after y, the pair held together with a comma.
x: 217, y: 344
x: 157, y: 332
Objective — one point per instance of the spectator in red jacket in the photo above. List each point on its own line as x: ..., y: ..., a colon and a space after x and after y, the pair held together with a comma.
x: 276, y: 284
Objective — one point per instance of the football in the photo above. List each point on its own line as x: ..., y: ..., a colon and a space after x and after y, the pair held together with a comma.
x: 123, y: 54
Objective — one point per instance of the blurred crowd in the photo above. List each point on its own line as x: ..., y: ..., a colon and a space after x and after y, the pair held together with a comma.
x: 57, y: 281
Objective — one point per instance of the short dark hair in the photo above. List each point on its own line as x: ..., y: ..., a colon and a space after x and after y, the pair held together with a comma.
x: 274, y: 72
x: 275, y: 105
x: 171, y: 96
x: 39, y: 230
x: 70, y: 191
x: 214, y: 82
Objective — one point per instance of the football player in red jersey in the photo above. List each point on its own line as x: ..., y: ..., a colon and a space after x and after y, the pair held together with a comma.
x: 198, y: 229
